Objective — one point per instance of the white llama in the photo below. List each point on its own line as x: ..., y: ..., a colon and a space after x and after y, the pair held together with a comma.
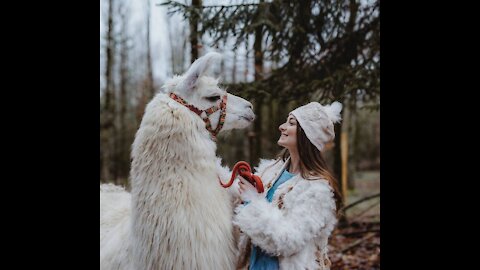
x: 177, y: 215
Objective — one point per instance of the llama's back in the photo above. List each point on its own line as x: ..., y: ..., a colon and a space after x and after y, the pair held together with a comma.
x: 115, y: 205
x: 115, y: 211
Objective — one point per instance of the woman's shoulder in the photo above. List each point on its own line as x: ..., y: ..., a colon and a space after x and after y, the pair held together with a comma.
x: 317, y: 192
x: 314, y: 184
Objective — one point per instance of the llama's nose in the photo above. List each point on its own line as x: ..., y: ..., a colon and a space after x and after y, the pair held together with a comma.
x: 249, y: 105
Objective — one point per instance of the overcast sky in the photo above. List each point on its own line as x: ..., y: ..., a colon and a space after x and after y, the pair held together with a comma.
x: 160, y: 44
x: 159, y: 32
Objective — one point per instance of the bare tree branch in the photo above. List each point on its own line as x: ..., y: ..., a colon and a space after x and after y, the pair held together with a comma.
x: 359, y: 232
x: 360, y: 201
x: 358, y: 242
x: 173, y: 3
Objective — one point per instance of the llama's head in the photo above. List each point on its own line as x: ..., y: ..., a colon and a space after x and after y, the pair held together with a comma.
x: 203, y: 92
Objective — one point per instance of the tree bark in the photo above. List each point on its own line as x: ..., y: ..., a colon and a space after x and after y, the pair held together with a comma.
x: 124, y: 155
x: 258, y: 75
x: 337, y: 170
x: 351, y: 142
x: 257, y: 46
x: 257, y: 125
x: 194, y: 31
x: 337, y: 153
x: 109, y: 105
x: 150, y: 83
x: 234, y: 68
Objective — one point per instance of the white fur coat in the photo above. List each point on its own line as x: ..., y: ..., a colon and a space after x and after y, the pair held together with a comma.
x: 295, y: 226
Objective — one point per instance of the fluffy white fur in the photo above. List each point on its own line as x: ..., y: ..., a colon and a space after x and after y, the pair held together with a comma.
x: 333, y: 111
x: 298, y: 232
x: 178, y: 216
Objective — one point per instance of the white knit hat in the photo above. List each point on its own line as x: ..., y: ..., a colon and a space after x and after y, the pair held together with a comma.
x: 317, y: 121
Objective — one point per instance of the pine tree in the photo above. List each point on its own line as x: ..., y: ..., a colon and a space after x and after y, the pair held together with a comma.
x: 322, y: 50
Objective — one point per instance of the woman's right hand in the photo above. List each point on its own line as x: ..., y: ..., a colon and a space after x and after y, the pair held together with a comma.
x: 247, y: 190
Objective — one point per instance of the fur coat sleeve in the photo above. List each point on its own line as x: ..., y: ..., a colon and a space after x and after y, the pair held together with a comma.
x: 308, y: 211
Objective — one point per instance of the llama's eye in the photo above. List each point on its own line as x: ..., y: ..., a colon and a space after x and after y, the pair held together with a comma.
x: 213, y: 98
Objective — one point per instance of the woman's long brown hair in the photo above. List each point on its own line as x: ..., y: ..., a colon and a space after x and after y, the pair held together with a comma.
x: 312, y: 164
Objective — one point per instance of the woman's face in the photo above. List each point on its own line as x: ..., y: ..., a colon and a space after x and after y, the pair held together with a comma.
x: 288, y: 133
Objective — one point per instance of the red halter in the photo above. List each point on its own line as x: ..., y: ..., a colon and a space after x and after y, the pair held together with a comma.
x: 208, y: 112
x: 244, y: 169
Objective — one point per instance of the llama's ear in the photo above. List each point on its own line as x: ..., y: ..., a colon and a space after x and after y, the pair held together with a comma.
x: 199, y: 68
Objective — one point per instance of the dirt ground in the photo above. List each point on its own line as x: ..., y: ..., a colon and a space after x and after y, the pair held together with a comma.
x: 356, y: 244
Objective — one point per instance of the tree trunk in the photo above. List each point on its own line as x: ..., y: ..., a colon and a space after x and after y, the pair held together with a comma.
x: 178, y: 46
x: 146, y: 87
x: 351, y: 156
x: 251, y: 146
x: 257, y: 125
x: 337, y: 168
x: 150, y: 83
x: 109, y: 105
x: 247, y: 50
x: 257, y: 46
x: 258, y: 75
x: 272, y: 128
x: 171, y: 38
x: 123, y: 149
x: 234, y: 68
x: 337, y: 162
x: 194, y: 31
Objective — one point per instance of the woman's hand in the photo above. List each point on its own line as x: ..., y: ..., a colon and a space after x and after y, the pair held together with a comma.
x: 247, y: 191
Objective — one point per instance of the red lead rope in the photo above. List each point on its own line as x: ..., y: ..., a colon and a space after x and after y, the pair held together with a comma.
x: 244, y: 170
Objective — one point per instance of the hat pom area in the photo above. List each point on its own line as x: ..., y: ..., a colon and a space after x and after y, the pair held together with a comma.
x: 333, y: 111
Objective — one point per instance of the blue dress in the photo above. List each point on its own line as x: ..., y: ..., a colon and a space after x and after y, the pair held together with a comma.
x: 259, y: 260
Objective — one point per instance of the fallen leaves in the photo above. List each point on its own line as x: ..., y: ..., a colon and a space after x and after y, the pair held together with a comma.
x: 360, y: 243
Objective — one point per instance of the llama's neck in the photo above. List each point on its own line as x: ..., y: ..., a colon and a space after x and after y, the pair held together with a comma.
x: 170, y: 138
x: 172, y: 156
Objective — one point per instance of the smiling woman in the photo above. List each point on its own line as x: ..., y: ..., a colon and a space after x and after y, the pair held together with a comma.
x: 288, y: 137
x: 300, y: 193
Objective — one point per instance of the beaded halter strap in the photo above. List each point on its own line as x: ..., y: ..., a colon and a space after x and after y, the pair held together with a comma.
x: 208, y: 112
